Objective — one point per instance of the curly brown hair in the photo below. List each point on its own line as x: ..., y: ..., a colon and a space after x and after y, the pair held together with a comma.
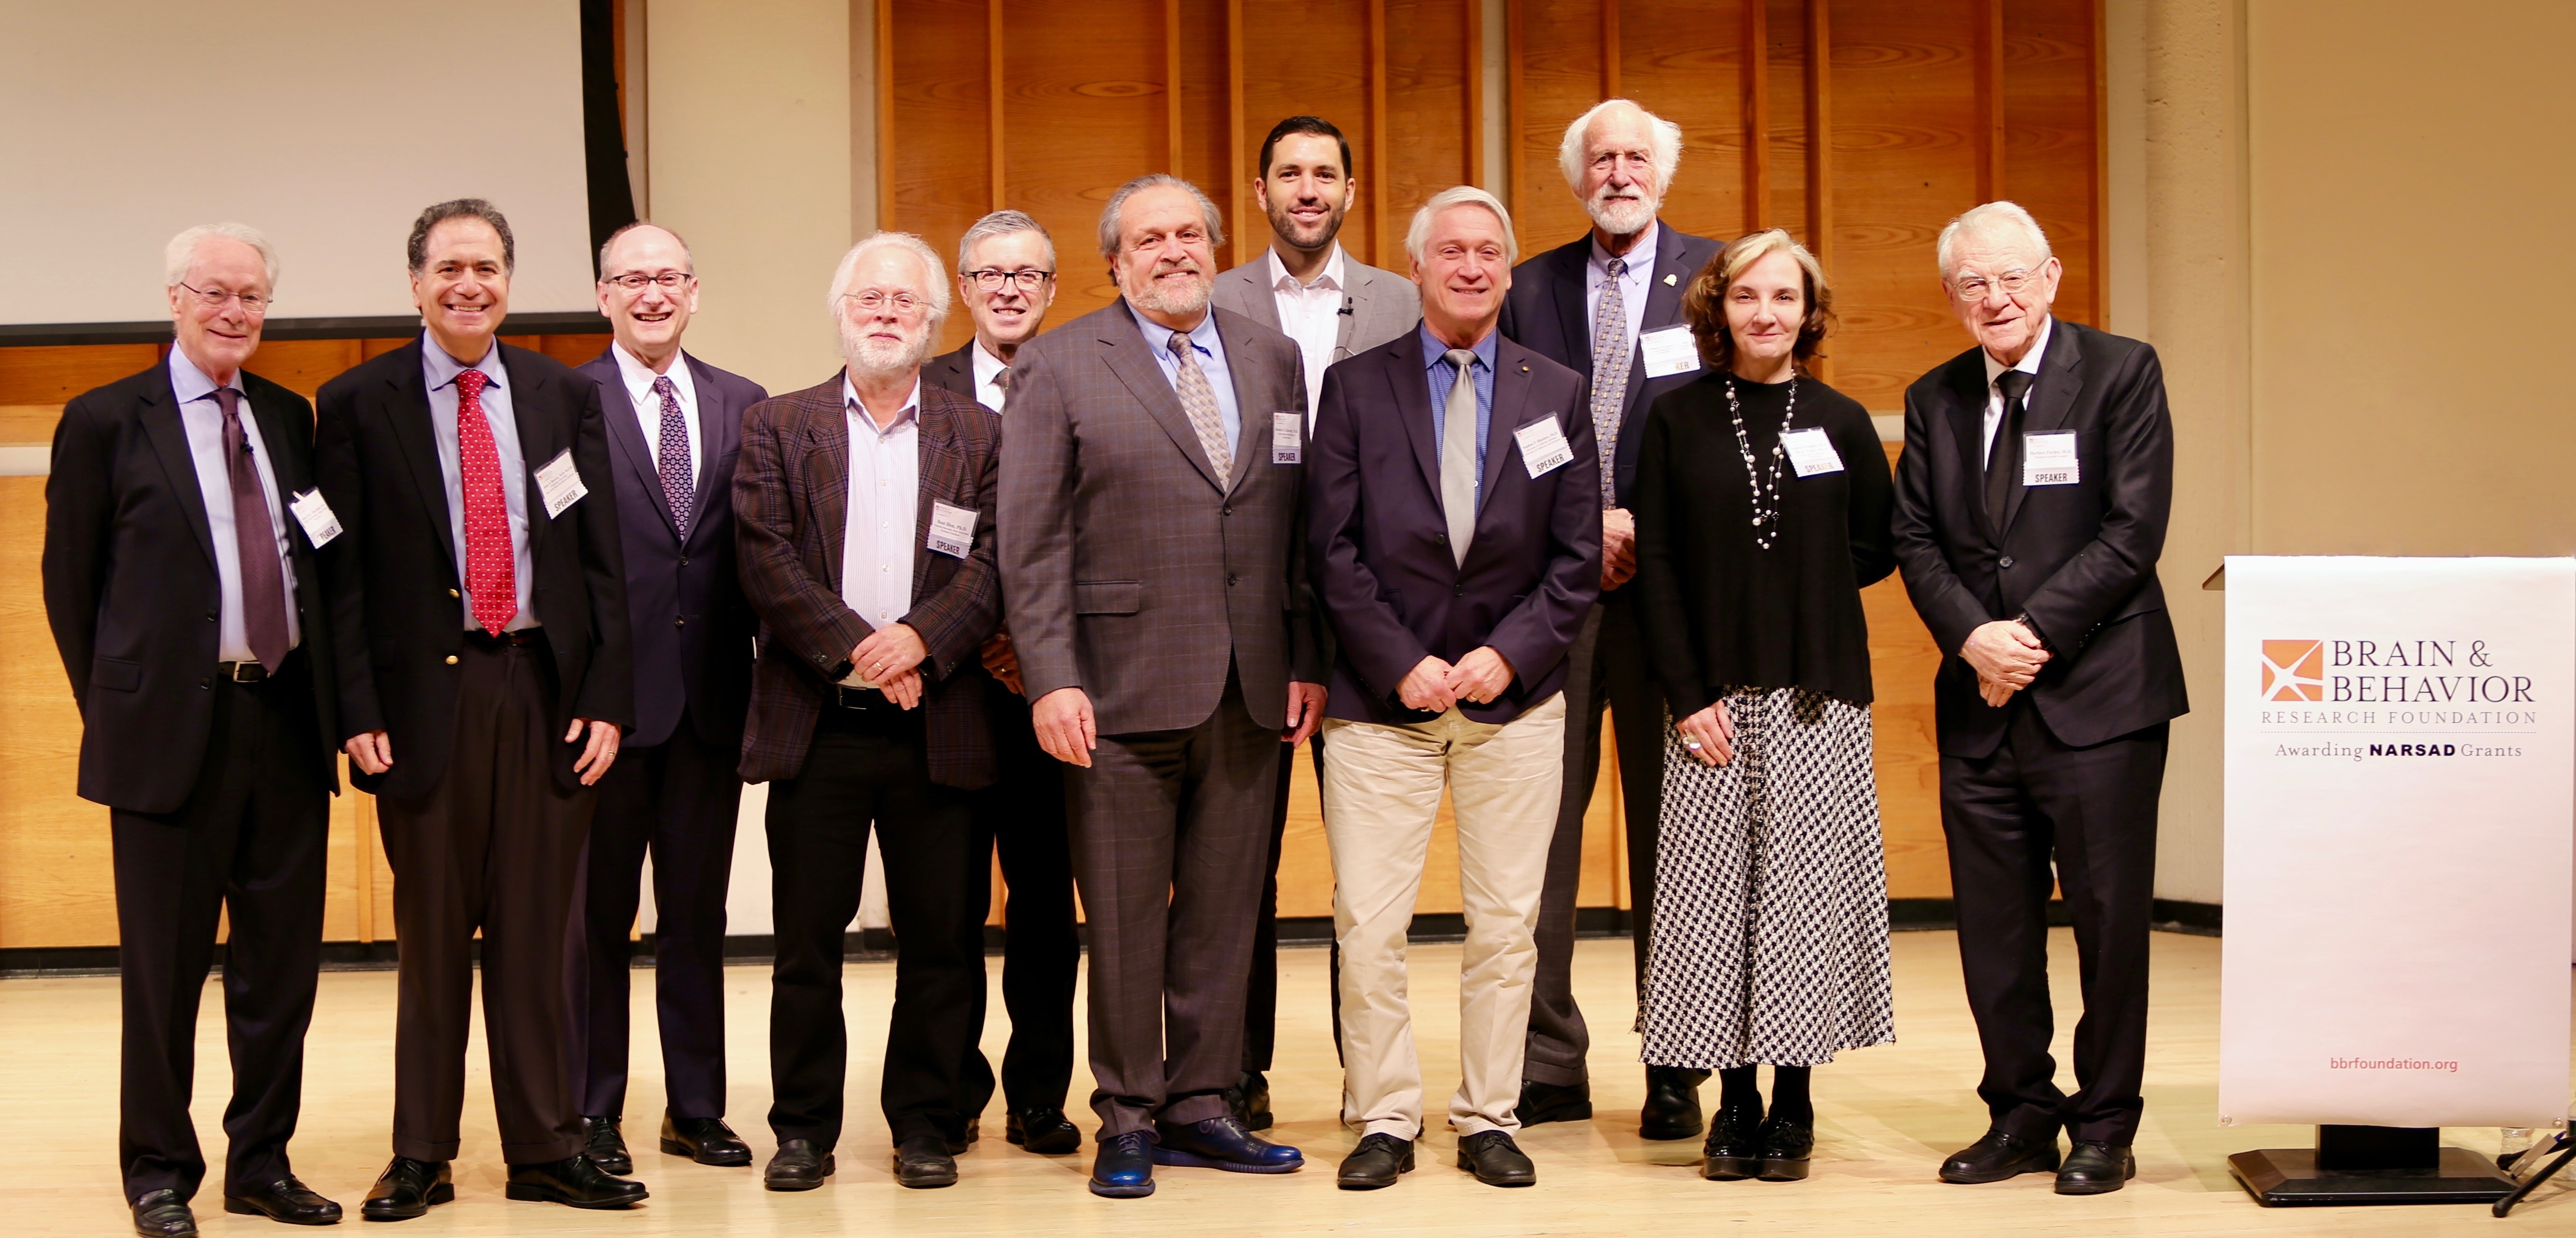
x: 1704, y: 307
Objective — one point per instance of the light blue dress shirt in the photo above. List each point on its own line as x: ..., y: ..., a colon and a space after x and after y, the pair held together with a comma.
x: 203, y: 418
x: 440, y: 370
x: 1211, y: 351
x: 1435, y: 358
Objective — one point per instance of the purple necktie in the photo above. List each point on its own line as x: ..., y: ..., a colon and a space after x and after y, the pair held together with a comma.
x: 263, y: 578
x: 673, y: 455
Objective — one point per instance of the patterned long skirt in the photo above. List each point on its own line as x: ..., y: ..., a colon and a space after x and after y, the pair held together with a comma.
x: 1769, y: 940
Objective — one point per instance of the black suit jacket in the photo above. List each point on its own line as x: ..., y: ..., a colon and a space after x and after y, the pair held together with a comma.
x: 1378, y: 537
x: 693, y: 630
x: 2079, y: 560
x: 131, y: 590
x: 1545, y: 313
x: 393, y: 578
x: 952, y: 371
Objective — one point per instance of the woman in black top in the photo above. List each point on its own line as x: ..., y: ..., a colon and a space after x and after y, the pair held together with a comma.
x: 1762, y: 507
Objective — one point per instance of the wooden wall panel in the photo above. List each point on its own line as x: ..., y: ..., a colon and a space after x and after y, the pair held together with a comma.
x: 1558, y: 51
x: 1083, y: 112
x: 1684, y: 61
x: 53, y: 376
x: 1907, y: 760
x: 943, y: 115
x: 2049, y: 147
x: 1327, y: 75
x: 56, y: 887
x: 1424, y: 149
x: 1204, y: 160
x: 1786, y: 80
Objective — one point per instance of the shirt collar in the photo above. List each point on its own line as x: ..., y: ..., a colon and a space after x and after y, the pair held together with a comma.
x: 2029, y: 360
x: 639, y: 376
x: 985, y: 363
x: 1281, y: 281
x: 1645, y: 245
x: 1435, y: 353
x: 190, y: 383
x: 443, y: 369
x: 1159, y: 337
x: 903, y: 418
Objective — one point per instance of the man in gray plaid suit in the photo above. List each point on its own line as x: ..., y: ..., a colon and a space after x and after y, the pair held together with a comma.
x: 1150, y: 532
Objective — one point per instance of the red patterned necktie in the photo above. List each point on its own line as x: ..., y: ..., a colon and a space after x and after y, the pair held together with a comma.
x: 489, y: 574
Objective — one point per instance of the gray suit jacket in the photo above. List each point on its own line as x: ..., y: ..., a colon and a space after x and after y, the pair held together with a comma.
x: 1377, y: 307
x: 1129, y: 568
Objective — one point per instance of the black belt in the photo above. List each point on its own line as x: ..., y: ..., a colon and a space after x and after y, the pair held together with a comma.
x: 242, y: 672
x: 868, y: 699
x: 506, y: 640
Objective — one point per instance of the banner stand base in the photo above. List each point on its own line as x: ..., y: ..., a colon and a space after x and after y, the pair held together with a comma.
x: 2370, y: 1165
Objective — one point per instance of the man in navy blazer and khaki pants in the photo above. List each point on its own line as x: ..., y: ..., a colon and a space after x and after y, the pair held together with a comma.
x: 1455, y: 528
x: 674, y: 426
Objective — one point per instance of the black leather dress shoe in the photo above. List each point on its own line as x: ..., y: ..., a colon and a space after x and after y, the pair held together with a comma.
x: 1787, y: 1143
x: 162, y: 1214
x: 1046, y: 1132
x: 2096, y: 1168
x: 1123, y: 1168
x: 406, y: 1189
x: 798, y: 1165
x: 1734, y: 1148
x: 1250, y: 1100
x: 708, y: 1141
x: 2000, y: 1155
x: 1496, y: 1160
x: 1554, y: 1102
x: 1222, y: 1143
x: 575, y: 1182
x: 603, y: 1140
x: 1377, y: 1162
x: 964, y: 1138
x: 1671, y: 1110
x: 924, y: 1161
x: 283, y: 1200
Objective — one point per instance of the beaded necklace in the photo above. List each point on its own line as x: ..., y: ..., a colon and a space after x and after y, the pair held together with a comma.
x: 1766, y: 495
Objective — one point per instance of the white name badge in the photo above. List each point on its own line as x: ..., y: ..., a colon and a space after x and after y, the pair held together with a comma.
x: 1669, y: 351
x: 952, y: 529
x: 560, y: 483
x: 1543, y: 446
x: 1810, y: 452
x: 1287, y: 444
x: 2049, y: 459
x: 320, y: 526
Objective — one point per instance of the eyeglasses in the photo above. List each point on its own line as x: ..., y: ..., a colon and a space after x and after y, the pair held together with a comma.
x: 991, y: 280
x: 635, y: 281
x: 872, y: 300
x: 252, y: 303
x: 1975, y: 287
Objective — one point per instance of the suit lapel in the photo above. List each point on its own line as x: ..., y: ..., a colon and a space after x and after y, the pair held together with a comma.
x: 1571, y: 310
x: 827, y: 479
x: 1126, y: 357
x: 1968, y: 430
x: 1261, y: 307
x: 1252, y: 413
x: 409, y: 412
x: 1664, y: 300
x: 529, y: 390
x: 940, y: 464
x: 1511, y: 400
x: 2061, y: 376
x: 169, y: 438
x: 626, y: 438
x: 1411, y: 387
x: 719, y: 432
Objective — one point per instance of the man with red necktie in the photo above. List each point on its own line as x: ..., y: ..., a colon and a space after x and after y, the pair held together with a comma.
x: 478, y: 608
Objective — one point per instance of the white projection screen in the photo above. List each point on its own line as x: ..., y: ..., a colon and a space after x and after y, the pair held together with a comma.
x: 327, y: 124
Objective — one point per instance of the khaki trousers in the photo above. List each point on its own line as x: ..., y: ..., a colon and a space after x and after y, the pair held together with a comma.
x: 1381, y: 788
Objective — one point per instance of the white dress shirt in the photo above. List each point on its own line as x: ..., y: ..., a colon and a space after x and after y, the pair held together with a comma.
x: 987, y: 367
x: 1994, y: 370
x: 648, y: 406
x: 203, y: 418
x: 885, y: 490
x: 1310, y: 314
x: 1634, y: 284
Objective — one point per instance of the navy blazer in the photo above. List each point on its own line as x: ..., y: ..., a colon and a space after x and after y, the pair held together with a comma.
x: 693, y: 630
x: 1379, y: 542
x: 1545, y: 312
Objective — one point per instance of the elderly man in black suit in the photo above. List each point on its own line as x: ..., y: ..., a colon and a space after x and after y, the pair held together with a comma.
x: 478, y: 605
x: 186, y: 606
x: 2031, y: 504
x: 674, y: 425
x: 1455, y: 528
x: 1608, y: 305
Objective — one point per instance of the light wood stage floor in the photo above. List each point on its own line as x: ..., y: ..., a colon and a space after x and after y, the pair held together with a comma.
x: 1885, y: 1118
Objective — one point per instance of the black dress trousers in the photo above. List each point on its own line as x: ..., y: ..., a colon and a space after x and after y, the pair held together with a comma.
x: 251, y: 839
x: 2093, y: 811
x: 869, y: 769
x: 678, y: 800
x: 1021, y: 816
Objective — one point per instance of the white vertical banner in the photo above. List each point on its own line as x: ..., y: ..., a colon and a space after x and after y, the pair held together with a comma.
x: 2401, y: 833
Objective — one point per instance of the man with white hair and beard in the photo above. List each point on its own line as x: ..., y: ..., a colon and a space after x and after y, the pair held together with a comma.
x: 864, y: 516
x: 1608, y: 305
x: 1160, y: 609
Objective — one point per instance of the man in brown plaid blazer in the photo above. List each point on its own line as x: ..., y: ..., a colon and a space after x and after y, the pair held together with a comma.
x: 1150, y: 519
x: 864, y: 523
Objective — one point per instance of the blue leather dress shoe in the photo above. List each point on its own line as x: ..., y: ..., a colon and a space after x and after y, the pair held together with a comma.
x: 1124, y: 1166
x: 1222, y: 1143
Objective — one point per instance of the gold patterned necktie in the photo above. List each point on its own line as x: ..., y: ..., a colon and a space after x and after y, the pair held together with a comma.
x: 1198, y: 399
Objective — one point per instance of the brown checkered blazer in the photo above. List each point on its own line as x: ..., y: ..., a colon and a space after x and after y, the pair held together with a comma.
x: 1132, y: 570
x: 790, y: 507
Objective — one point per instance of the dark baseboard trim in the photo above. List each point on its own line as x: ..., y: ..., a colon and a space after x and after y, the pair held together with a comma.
x: 1904, y: 915
x: 375, y: 327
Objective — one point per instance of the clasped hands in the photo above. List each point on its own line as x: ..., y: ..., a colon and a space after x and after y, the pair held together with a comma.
x: 1433, y: 686
x: 890, y: 658
x: 2007, y: 656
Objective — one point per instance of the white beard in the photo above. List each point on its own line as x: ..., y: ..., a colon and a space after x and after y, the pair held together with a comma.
x: 872, y: 358
x: 1621, y: 216
x: 1181, y: 300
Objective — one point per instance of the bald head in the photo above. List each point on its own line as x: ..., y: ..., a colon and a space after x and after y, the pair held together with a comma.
x: 648, y: 289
